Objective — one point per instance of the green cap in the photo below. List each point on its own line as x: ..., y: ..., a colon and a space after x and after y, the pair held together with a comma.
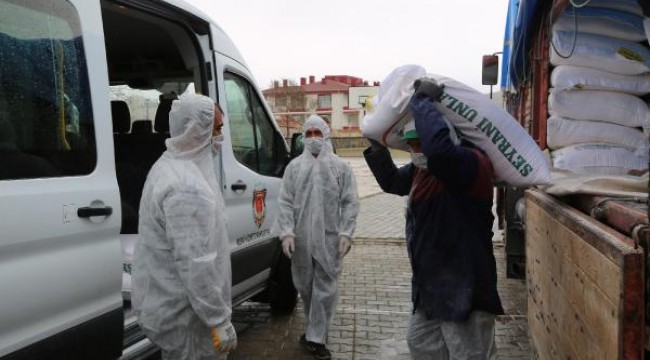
x: 410, y: 135
x: 409, y: 131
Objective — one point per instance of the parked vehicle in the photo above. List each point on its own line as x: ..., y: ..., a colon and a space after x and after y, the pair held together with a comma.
x: 584, y: 256
x: 75, y: 149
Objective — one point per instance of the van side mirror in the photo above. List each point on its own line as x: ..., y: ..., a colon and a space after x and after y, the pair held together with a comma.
x: 490, y: 75
x: 297, y: 145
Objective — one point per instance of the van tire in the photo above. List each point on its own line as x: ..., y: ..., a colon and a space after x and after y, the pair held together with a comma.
x: 282, y: 295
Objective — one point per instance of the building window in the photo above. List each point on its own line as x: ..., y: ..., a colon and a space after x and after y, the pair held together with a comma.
x: 324, y: 101
x: 280, y: 101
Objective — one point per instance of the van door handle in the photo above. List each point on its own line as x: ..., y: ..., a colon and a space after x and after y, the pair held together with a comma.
x: 86, y: 212
x: 238, y: 186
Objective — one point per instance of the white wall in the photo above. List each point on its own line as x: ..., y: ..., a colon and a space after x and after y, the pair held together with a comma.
x: 357, y: 94
x: 338, y: 120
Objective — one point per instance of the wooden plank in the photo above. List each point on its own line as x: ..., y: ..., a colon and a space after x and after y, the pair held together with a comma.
x: 556, y: 306
x: 610, y: 243
x: 559, y: 297
x: 600, y: 270
x: 575, y: 289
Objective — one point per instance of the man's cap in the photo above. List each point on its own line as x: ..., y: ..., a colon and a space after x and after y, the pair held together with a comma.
x: 409, y: 131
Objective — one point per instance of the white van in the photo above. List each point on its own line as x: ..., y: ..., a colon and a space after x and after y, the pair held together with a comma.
x: 85, y: 91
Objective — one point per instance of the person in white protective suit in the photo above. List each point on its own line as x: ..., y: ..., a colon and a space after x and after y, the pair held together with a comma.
x: 318, y: 212
x: 182, y: 274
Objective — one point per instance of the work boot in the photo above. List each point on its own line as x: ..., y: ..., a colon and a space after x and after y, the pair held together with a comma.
x: 319, y: 351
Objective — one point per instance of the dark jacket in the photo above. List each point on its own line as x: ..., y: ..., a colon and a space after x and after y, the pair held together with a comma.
x: 449, y: 220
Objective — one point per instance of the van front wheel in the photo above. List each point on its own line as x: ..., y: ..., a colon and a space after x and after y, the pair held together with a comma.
x: 282, y: 294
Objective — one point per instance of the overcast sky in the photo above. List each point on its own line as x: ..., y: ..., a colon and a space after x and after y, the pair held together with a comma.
x: 295, y: 38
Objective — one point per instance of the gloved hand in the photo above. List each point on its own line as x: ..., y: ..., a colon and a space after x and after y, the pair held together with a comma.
x: 224, y: 337
x: 375, y: 145
x: 345, y: 243
x: 428, y: 87
x: 288, y: 246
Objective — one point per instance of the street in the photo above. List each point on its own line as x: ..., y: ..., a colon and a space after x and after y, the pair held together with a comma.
x: 374, y: 295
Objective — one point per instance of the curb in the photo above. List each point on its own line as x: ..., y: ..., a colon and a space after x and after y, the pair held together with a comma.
x: 371, y: 195
x: 379, y: 241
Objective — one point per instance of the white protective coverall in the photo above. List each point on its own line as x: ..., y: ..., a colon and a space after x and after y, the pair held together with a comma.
x: 182, y: 274
x: 318, y: 204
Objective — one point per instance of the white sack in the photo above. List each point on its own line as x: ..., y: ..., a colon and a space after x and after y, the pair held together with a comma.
x: 599, y: 52
x: 630, y: 6
x: 608, y: 106
x: 389, y: 113
x: 602, y: 21
x: 566, y: 77
x: 385, y: 121
x: 562, y: 132
x: 516, y: 158
x: 601, y: 159
x: 567, y: 183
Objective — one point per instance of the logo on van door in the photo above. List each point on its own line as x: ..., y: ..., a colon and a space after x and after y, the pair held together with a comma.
x: 259, y: 206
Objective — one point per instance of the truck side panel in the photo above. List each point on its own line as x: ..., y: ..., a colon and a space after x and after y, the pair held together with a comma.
x: 584, y: 281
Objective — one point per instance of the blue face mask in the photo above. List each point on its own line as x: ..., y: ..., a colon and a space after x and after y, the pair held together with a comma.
x: 419, y: 160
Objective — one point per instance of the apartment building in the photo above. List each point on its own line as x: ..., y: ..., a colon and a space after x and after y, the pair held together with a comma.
x: 339, y: 99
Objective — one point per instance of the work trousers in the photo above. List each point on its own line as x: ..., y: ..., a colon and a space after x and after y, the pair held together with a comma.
x: 319, y: 295
x: 472, y: 339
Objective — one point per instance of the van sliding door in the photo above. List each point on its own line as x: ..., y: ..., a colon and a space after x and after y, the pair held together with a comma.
x: 59, y: 202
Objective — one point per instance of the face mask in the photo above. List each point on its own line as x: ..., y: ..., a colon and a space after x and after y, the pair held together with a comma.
x: 314, y: 145
x: 419, y: 160
x: 216, y: 142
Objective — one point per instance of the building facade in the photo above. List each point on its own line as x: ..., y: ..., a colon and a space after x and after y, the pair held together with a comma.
x: 339, y: 99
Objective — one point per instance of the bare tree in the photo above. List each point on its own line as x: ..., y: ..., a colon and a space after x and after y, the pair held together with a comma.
x: 288, y: 99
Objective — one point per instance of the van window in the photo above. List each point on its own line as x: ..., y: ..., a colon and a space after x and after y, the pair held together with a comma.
x: 46, y: 122
x: 255, y: 142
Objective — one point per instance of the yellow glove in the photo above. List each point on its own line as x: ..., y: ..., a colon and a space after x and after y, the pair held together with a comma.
x: 224, y: 337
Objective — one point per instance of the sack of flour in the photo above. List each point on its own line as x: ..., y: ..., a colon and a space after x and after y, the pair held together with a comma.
x: 608, y: 106
x: 602, y: 21
x: 603, y: 159
x: 562, y: 132
x: 567, y: 77
x: 389, y: 113
x: 599, y: 52
x: 516, y: 158
x: 629, y: 6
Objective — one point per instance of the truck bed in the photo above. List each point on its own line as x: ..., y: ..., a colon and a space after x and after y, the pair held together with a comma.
x: 585, y: 283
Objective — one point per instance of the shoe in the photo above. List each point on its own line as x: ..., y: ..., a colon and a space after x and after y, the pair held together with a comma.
x: 319, y: 351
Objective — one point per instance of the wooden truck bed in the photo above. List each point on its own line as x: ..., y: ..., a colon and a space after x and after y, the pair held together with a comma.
x: 584, y: 282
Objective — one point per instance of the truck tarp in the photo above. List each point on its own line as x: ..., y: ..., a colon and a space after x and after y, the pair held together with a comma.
x: 517, y: 41
x: 522, y: 18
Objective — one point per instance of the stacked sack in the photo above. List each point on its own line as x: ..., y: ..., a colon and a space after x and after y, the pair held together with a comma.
x: 596, y: 118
